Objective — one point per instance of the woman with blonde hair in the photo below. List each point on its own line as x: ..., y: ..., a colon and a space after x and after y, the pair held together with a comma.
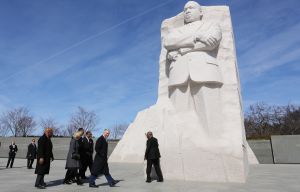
x: 73, y: 160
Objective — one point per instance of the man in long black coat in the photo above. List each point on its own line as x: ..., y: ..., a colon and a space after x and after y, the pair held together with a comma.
x: 31, y: 153
x: 44, y: 157
x: 152, y: 156
x: 100, y: 165
x: 86, y: 156
x: 13, y: 149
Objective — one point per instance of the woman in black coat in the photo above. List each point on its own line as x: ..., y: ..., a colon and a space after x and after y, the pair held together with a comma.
x: 73, y: 160
x: 44, y: 157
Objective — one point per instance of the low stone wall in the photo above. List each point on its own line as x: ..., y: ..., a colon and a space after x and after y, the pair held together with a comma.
x: 286, y: 149
x: 60, y: 146
x: 261, y: 148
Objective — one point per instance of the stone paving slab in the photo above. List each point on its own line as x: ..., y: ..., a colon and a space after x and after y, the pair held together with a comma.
x: 262, y: 178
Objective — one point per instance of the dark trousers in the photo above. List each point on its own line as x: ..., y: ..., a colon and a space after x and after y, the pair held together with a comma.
x: 83, y: 168
x: 29, y: 163
x: 40, y: 180
x: 72, y: 174
x: 10, y: 161
x: 108, y: 177
x: 156, y: 164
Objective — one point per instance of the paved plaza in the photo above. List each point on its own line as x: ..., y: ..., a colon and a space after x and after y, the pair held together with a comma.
x: 262, y: 178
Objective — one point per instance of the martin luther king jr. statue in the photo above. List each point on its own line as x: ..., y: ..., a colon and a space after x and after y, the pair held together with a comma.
x: 198, y: 116
x: 194, y: 74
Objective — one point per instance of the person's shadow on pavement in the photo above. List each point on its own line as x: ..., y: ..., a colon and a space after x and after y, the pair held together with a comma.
x: 55, y: 183
x: 106, y: 184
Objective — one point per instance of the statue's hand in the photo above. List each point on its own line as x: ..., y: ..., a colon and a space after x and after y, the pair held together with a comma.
x: 173, y: 55
x: 211, y: 41
x: 199, y: 38
x: 207, y: 39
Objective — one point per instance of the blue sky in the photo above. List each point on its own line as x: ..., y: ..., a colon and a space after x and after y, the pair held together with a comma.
x: 56, y: 55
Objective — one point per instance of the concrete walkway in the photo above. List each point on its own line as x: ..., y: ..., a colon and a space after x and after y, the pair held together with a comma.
x: 262, y: 178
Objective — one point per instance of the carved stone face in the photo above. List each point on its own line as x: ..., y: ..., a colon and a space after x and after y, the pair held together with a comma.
x: 192, y: 12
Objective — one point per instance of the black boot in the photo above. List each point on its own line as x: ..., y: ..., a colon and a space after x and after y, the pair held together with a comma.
x: 148, y: 180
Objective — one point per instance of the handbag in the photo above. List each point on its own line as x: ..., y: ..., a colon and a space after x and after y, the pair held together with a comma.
x: 75, y: 156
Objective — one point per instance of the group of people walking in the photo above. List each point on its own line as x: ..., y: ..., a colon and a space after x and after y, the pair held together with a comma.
x: 80, y: 157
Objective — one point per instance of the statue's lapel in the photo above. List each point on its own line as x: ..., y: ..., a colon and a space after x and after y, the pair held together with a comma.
x: 198, y: 25
x: 191, y: 28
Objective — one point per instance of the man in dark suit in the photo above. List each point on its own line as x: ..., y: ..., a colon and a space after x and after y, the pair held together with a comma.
x: 86, y: 156
x: 44, y: 157
x: 152, y: 156
x: 100, y: 165
x: 31, y: 153
x: 13, y: 149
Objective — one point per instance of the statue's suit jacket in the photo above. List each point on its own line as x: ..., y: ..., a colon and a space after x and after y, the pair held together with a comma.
x: 195, y: 60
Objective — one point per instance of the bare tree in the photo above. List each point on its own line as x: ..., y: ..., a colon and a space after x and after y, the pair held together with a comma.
x: 257, y: 119
x: 291, y: 121
x: 51, y: 123
x: 3, y: 130
x: 277, y: 115
x: 26, y: 125
x: 263, y: 120
x: 118, y: 130
x: 70, y: 129
x: 82, y: 118
x: 18, y: 121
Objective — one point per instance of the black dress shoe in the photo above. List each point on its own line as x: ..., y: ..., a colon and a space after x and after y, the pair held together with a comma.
x: 112, y: 184
x: 148, y: 180
x: 40, y: 187
x: 160, y: 180
x: 67, y: 182
x: 93, y: 186
x: 79, y: 182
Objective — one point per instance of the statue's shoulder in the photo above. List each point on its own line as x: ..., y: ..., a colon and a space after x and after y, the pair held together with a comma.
x: 211, y: 24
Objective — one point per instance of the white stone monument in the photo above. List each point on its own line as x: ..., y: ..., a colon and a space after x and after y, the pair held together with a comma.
x: 198, y: 118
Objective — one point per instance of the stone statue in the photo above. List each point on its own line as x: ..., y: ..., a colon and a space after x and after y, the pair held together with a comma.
x: 198, y: 116
x: 194, y: 74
